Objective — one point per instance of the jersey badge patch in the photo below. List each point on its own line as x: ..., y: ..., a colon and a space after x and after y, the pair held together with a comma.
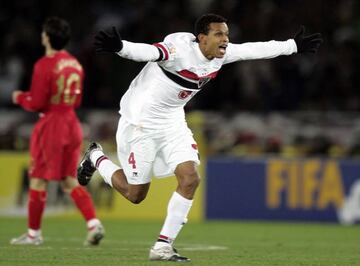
x: 184, y: 94
x: 203, y: 81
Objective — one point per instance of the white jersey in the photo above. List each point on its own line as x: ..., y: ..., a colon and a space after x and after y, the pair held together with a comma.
x: 157, y: 96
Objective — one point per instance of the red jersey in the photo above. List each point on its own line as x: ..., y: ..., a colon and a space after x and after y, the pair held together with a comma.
x: 56, y: 84
x: 56, y: 90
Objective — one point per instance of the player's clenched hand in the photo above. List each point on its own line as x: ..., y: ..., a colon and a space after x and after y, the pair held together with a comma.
x: 15, y: 94
x: 108, y: 41
x: 307, y: 44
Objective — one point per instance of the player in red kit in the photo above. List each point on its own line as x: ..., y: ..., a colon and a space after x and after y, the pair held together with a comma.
x: 55, y: 146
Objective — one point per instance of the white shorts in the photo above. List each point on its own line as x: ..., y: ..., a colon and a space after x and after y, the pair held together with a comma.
x: 144, y: 152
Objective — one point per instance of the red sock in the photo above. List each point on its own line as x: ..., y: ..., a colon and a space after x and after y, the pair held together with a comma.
x: 36, y: 206
x: 84, y: 202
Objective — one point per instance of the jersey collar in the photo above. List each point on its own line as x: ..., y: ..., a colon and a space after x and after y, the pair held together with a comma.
x: 199, y: 54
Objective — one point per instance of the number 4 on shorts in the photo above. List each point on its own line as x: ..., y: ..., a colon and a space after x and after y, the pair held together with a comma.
x: 131, y: 160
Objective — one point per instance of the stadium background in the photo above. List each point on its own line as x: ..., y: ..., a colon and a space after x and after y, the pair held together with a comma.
x: 289, y: 108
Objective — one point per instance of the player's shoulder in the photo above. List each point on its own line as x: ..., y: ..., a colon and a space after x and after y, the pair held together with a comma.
x: 58, y: 61
x: 66, y: 55
x: 180, y: 38
x: 53, y: 58
x: 66, y: 59
x: 42, y: 63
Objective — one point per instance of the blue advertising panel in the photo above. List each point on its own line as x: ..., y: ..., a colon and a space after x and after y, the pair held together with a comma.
x: 282, y: 189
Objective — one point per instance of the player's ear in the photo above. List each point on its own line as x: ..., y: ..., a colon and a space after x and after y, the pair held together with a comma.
x: 44, y: 38
x: 202, y: 37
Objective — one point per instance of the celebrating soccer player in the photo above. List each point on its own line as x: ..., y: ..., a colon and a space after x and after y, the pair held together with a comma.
x: 153, y: 137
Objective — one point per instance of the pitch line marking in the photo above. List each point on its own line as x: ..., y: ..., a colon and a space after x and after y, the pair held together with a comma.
x: 199, y: 248
x: 204, y: 248
x: 187, y: 247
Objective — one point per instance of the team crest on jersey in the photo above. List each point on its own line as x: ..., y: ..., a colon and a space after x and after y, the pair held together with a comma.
x: 203, y: 81
x: 171, y: 48
x: 184, y: 94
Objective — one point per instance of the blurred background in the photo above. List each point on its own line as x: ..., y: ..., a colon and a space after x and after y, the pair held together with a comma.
x: 302, y: 110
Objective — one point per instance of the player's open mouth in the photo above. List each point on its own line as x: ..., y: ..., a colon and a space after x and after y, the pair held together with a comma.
x: 222, y: 48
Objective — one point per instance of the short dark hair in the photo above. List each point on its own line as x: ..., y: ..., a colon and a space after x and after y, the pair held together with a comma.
x: 202, y: 24
x: 58, y: 31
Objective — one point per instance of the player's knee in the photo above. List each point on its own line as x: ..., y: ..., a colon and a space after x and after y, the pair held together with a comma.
x: 136, y: 198
x: 190, y: 180
x: 68, y: 184
x: 137, y: 193
x: 38, y: 184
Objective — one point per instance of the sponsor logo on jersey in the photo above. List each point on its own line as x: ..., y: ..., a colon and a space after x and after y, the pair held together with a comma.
x: 203, y: 81
x: 194, y: 146
x: 171, y: 48
x: 184, y: 94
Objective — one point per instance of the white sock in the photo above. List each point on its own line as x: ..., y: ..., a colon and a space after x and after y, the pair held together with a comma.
x: 92, y: 222
x: 95, y: 155
x: 177, y: 212
x: 34, y: 233
x: 159, y: 244
x: 105, y: 167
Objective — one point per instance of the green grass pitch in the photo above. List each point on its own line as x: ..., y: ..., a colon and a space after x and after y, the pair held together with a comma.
x: 208, y: 243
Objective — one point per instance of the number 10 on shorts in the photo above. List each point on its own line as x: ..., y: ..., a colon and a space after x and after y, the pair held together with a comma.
x: 131, y: 160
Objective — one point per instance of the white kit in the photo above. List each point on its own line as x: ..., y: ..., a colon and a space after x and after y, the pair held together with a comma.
x: 152, y: 109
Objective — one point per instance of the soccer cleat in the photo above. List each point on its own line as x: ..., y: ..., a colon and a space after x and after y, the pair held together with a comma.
x: 95, y: 235
x: 86, y: 168
x: 26, y: 239
x: 167, y: 253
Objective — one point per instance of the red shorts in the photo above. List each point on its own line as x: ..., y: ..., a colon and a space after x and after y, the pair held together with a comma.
x: 55, y: 146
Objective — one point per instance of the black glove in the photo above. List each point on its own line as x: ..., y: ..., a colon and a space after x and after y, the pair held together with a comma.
x: 108, y: 41
x: 307, y: 44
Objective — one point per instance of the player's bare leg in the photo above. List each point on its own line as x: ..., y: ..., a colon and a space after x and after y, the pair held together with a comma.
x: 36, y: 206
x: 177, y: 212
x: 188, y: 179
x: 133, y: 193
x: 112, y: 174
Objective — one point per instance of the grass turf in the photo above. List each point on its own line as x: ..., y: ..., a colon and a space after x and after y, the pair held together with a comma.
x: 209, y: 243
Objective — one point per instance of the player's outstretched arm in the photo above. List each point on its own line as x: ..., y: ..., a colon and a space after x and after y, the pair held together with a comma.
x: 111, y: 42
x: 266, y: 50
x: 309, y: 43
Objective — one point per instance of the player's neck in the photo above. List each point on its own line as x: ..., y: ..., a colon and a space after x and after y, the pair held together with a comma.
x: 50, y: 51
x: 205, y: 52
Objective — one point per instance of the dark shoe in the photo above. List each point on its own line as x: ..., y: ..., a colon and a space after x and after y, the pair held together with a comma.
x: 86, y: 168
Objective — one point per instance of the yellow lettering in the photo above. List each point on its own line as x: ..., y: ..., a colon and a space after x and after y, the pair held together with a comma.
x: 68, y: 63
x: 293, y: 185
x: 69, y: 89
x: 310, y: 182
x: 275, y: 183
x: 74, y: 79
x: 331, y: 188
x: 55, y: 99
